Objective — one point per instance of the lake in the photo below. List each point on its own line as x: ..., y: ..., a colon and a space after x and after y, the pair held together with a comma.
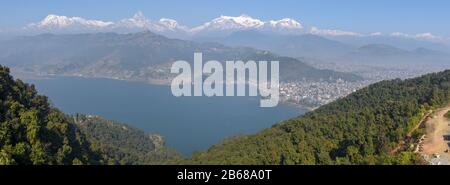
x: 187, y: 123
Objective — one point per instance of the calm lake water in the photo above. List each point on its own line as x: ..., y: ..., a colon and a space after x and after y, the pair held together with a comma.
x: 187, y: 123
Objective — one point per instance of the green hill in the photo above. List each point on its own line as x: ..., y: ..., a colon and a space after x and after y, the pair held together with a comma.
x: 32, y: 132
x: 361, y: 128
x: 121, y: 144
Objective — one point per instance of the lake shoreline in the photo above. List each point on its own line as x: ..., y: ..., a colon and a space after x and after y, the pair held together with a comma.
x: 187, y: 124
x: 150, y: 82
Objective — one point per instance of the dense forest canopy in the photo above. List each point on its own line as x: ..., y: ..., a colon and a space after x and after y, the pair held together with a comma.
x: 32, y: 132
x: 361, y: 128
x: 121, y: 144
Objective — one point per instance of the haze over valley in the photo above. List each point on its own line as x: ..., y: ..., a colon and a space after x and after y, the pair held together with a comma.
x: 97, y: 86
x: 318, y: 66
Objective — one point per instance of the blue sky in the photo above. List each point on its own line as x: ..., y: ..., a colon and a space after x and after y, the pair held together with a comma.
x: 408, y: 16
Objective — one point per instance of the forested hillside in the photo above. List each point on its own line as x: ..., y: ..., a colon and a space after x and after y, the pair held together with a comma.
x: 361, y: 128
x: 121, y: 144
x: 32, y: 132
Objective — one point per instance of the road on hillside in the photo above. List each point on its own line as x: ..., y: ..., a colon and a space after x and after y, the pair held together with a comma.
x: 434, y: 144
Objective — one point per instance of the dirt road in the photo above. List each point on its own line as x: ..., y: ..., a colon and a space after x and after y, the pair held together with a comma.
x: 436, y: 127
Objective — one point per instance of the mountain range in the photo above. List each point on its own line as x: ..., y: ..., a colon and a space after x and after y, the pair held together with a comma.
x: 383, y: 54
x: 330, y: 50
x: 286, y: 37
x: 169, y: 27
x: 142, y: 56
x: 220, y: 26
x: 305, y: 45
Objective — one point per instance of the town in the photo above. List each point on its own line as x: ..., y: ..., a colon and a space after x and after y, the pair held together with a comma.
x: 313, y: 94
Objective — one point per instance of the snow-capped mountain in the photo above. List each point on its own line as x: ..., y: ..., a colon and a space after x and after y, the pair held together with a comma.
x: 245, y: 22
x: 285, y: 23
x: 57, y: 23
x: 284, y: 26
x: 217, y: 27
x: 172, y: 25
x: 138, y: 22
x: 230, y: 23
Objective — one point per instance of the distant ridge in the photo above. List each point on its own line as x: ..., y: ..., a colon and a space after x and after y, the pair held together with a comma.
x: 142, y: 56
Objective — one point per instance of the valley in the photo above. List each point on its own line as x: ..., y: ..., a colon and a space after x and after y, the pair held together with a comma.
x: 147, y: 57
x: 335, y: 131
x: 187, y: 124
x: 77, y: 90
